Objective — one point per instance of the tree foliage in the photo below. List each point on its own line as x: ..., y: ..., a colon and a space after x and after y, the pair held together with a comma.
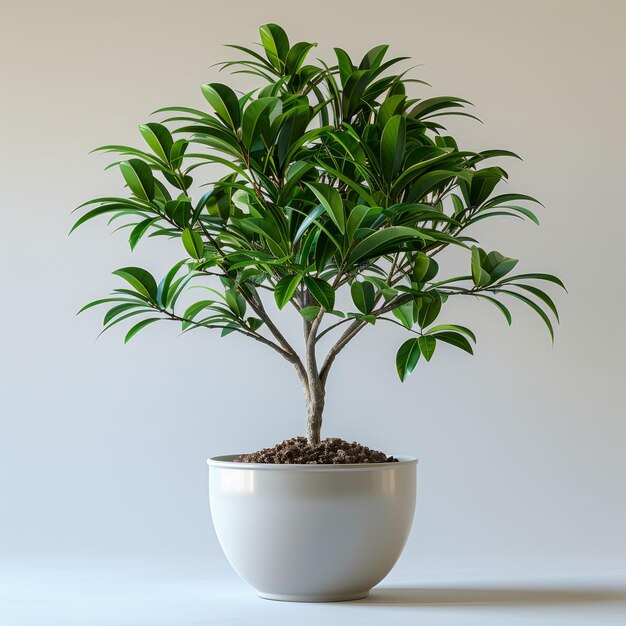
x: 334, y: 177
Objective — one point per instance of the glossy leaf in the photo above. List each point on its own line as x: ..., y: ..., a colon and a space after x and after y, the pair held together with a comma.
x: 139, y: 279
x: 193, y: 243
x: 454, y: 339
x: 225, y: 103
x: 331, y: 200
x: 363, y: 295
x: 392, y: 145
x: 406, y: 313
x: 285, y: 289
x: 385, y: 241
x: 158, y: 138
x: 407, y: 357
x: 535, y: 307
x: 310, y: 312
x: 137, y: 327
x: 321, y: 291
x: 503, y: 309
x: 453, y: 327
x: 429, y: 310
x: 276, y: 44
x: 479, y: 274
x: 139, y: 178
x: 427, y: 345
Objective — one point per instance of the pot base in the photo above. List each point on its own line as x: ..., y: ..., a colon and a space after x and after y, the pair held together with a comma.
x: 314, y: 597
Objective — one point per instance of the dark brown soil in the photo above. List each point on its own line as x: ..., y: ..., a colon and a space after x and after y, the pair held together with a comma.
x: 329, y: 451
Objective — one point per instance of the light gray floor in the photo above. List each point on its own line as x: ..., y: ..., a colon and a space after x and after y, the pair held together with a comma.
x: 98, y: 593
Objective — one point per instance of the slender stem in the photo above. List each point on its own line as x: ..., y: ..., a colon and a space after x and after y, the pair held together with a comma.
x: 332, y: 327
x: 353, y: 330
x: 247, y: 333
x: 315, y: 388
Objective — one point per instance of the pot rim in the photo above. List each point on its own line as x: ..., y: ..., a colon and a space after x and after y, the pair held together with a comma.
x: 226, y: 461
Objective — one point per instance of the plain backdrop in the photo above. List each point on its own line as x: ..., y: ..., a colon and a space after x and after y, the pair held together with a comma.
x: 521, y: 447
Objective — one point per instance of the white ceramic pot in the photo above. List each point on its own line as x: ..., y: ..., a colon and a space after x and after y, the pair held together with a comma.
x: 312, y: 533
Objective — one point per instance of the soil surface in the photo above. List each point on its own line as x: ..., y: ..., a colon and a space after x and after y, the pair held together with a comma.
x: 328, y: 452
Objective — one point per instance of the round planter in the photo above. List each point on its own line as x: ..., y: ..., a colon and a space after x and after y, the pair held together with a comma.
x: 312, y: 533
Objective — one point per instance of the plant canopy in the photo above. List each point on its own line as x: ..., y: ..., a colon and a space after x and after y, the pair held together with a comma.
x: 331, y: 178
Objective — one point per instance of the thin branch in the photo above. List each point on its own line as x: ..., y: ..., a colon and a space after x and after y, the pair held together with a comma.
x: 247, y: 333
x: 332, y: 327
x: 257, y: 305
x: 354, y: 329
x: 388, y: 319
x: 343, y: 341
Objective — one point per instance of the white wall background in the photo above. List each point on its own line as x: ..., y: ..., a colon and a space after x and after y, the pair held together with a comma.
x: 102, y: 446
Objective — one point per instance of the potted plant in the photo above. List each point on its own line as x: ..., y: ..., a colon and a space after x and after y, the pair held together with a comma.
x: 337, y: 191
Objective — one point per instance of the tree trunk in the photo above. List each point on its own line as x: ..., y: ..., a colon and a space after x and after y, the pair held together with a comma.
x: 313, y: 386
x: 315, y: 409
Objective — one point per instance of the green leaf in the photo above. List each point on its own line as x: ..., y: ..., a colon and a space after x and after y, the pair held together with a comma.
x: 407, y: 357
x: 331, y: 200
x: 425, y: 268
x: 547, y: 277
x: 543, y: 296
x: 310, y: 312
x: 276, y: 44
x: 139, y: 178
x: 482, y: 183
x: 406, y: 313
x: 454, y: 339
x: 121, y: 308
x: 296, y: 56
x: 225, y: 103
x: 497, y: 265
x: 385, y: 241
x: 139, y: 279
x: 518, y: 209
x: 193, y: 243
x: 535, y: 307
x: 453, y: 327
x: 164, y: 286
x: 236, y: 302
x: 393, y: 105
x: 177, y: 151
x: 256, y: 120
x: 105, y: 301
x: 137, y: 327
x: 429, y: 310
x: 358, y: 214
x: 140, y: 230
x: 345, y: 65
x: 102, y: 210
x: 254, y: 323
x: 427, y: 345
x: 195, y: 308
x: 158, y: 138
x: 499, y: 305
x: 430, y: 105
x: 311, y: 218
x: 321, y: 291
x: 480, y: 277
x: 285, y: 289
x: 506, y: 198
x: 229, y: 328
x: 363, y: 295
x: 392, y: 144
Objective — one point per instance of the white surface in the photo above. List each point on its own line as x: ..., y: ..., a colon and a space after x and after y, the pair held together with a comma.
x: 188, y: 594
x: 312, y: 532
